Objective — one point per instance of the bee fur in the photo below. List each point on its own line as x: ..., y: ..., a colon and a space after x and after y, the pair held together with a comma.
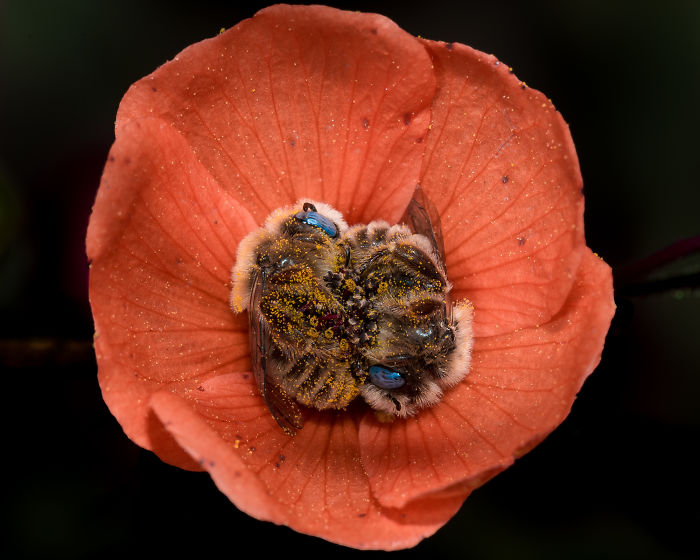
x: 328, y: 307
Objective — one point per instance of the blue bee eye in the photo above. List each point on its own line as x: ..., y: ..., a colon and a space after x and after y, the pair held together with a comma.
x: 317, y: 220
x: 385, y: 378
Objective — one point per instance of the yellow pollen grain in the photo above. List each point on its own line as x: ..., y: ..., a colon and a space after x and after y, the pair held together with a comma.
x: 313, y: 333
x: 328, y: 333
x: 383, y: 286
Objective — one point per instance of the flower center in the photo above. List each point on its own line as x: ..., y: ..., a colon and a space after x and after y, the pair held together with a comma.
x: 338, y: 312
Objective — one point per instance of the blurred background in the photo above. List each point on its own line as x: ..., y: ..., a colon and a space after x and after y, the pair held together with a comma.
x: 616, y: 480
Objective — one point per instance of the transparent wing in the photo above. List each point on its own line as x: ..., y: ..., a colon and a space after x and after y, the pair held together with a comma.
x: 422, y: 217
x: 283, y: 408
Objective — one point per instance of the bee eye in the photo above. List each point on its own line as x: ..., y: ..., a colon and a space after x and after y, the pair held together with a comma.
x: 386, y: 378
x: 315, y: 219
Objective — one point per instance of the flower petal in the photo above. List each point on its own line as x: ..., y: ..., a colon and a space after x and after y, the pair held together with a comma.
x: 162, y: 240
x: 521, y: 386
x: 501, y: 167
x: 301, y: 101
x: 313, y: 482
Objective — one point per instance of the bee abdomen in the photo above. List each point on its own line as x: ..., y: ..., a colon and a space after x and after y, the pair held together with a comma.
x: 322, y: 385
x: 297, y: 305
x: 404, y: 268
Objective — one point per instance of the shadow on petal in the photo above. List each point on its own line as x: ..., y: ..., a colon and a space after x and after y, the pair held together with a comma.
x: 521, y: 386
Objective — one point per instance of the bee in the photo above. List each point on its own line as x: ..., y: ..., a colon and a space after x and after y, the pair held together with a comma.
x: 336, y: 312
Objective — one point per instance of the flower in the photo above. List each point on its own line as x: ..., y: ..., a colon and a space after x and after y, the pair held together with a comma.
x: 345, y: 108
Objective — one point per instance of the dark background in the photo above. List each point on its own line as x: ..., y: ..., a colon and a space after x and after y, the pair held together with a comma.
x: 616, y: 480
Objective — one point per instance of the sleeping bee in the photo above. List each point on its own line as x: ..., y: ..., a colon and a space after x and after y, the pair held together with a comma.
x: 336, y: 312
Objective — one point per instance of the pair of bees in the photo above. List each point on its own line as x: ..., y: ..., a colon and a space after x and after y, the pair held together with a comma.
x: 337, y: 312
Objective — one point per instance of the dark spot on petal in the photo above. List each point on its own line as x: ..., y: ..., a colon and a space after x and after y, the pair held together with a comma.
x: 365, y: 123
x: 179, y: 261
x: 504, y: 179
x: 282, y: 458
x: 216, y: 221
x: 200, y: 388
x: 211, y: 463
x: 111, y: 158
x: 277, y: 465
x: 292, y: 143
x: 521, y: 241
x: 522, y: 86
x: 153, y: 89
x: 419, y: 140
x: 450, y: 46
x: 407, y: 119
x: 127, y: 160
x: 373, y: 31
x: 246, y: 375
x: 237, y: 473
x: 361, y: 515
x: 252, y: 448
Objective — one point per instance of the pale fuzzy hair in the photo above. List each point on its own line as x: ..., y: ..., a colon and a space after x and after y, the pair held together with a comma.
x: 402, y: 233
x: 377, y: 399
x: 460, y: 358
x: 274, y: 220
x: 456, y: 370
x: 246, y: 255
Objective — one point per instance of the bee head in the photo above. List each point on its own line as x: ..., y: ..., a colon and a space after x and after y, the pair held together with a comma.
x: 313, y: 218
x: 413, y: 359
x: 400, y: 390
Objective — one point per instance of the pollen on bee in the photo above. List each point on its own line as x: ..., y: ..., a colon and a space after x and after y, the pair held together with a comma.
x: 237, y: 303
x: 311, y: 286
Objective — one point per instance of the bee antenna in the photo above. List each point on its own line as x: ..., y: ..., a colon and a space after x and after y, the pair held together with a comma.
x: 308, y: 206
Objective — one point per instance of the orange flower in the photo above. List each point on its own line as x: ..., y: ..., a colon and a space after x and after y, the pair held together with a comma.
x: 345, y: 108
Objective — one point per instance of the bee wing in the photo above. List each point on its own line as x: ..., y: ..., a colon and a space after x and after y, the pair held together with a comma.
x: 422, y: 217
x: 283, y: 408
